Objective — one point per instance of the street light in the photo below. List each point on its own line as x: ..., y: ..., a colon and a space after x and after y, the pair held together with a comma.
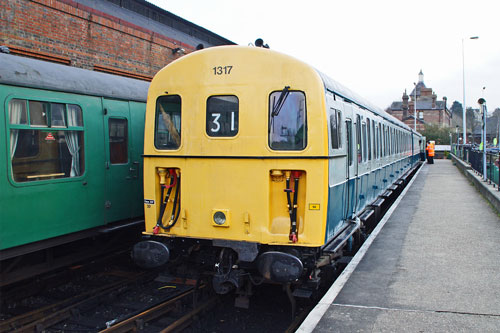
x: 464, y: 123
x: 484, y: 111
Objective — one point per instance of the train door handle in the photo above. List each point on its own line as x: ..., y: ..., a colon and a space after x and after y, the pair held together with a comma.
x: 135, y: 169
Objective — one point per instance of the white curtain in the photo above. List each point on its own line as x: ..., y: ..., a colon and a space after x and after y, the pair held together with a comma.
x: 15, y: 112
x: 72, y: 140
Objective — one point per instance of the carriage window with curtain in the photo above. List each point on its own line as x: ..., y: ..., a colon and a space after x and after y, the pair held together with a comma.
x: 45, y: 141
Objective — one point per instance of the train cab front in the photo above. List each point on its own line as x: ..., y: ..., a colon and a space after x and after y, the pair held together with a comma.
x: 235, y: 166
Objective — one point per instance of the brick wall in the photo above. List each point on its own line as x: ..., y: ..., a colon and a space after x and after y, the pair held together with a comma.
x: 69, y: 32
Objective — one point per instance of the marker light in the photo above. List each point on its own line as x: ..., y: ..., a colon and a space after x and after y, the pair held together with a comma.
x: 219, y: 218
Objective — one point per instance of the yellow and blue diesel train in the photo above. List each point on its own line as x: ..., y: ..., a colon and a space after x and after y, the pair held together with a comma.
x: 260, y: 166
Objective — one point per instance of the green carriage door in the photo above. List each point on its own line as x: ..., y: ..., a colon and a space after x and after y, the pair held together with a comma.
x: 122, y: 163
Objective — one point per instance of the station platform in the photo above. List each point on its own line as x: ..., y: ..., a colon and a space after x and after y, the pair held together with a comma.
x: 434, y: 265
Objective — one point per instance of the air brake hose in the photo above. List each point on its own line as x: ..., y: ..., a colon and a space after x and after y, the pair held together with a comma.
x: 287, y: 191
x: 177, y: 206
x: 163, y: 205
x: 293, y: 217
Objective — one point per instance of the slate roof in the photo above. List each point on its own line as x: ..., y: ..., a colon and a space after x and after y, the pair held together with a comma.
x: 424, y: 104
x: 419, y: 86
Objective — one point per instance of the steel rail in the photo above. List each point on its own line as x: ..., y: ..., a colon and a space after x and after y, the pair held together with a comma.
x: 47, y: 316
x: 185, y: 320
x: 150, y: 314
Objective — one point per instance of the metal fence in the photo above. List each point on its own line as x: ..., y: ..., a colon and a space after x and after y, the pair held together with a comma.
x: 474, y: 157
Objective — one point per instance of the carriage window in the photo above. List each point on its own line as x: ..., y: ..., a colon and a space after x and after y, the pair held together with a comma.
x: 57, y: 115
x: 359, y: 149
x: 222, y: 116
x: 74, y: 116
x: 50, y: 152
x: 348, y: 125
x: 38, y: 113
x: 335, y: 129
x: 118, y: 141
x: 369, y: 139
x: 287, y: 120
x: 365, y: 152
x: 168, y: 122
x: 381, y: 129
x: 387, y: 142
x: 17, y: 112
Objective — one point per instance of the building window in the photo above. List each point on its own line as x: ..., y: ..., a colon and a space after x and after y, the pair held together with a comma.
x: 49, y: 145
x: 420, y: 115
x: 287, y: 120
x: 168, y: 122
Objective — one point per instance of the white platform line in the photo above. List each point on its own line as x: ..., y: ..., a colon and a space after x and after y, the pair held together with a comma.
x: 319, y: 310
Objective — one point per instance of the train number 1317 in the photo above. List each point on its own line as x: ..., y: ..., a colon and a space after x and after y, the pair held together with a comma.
x: 222, y: 70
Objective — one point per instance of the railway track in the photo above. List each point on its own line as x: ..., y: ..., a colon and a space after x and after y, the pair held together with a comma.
x: 56, y: 311
x: 170, y: 323
x: 135, y: 302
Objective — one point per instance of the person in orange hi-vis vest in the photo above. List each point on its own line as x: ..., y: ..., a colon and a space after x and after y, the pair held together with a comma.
x: 430, y: 152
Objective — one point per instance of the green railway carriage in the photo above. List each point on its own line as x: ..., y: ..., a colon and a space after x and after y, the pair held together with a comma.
x: 70, y: 147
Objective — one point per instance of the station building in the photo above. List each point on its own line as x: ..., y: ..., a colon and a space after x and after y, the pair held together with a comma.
x: 131, y: 38
x: 429, y: 109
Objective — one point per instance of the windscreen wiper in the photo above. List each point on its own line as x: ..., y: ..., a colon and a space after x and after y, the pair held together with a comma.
x: 281, y: 100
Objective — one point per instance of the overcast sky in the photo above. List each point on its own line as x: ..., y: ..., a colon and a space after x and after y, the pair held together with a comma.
x: 376, y: 48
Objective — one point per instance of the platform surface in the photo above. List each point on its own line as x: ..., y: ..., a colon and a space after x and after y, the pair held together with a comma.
x: 434, y: 266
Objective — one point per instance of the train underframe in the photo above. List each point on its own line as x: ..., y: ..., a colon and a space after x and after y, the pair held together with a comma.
x: 239, y: 266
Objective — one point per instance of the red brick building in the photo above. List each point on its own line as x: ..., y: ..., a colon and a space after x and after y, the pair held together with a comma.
x: 429, y: 109
x: 125, y: 37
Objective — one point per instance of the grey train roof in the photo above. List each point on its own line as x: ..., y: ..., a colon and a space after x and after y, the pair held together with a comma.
x: 338, y: 89
x: 26, y: 72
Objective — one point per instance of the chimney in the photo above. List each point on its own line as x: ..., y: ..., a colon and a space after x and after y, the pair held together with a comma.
x: 434, y: 96
x: 405, y: 105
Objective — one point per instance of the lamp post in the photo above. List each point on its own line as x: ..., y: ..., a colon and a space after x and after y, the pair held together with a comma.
x: 464, y: 123
x: 482, y: 104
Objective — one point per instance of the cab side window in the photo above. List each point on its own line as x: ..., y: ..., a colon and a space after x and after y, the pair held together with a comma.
x: 287, y: 120
x: 168, y: 122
